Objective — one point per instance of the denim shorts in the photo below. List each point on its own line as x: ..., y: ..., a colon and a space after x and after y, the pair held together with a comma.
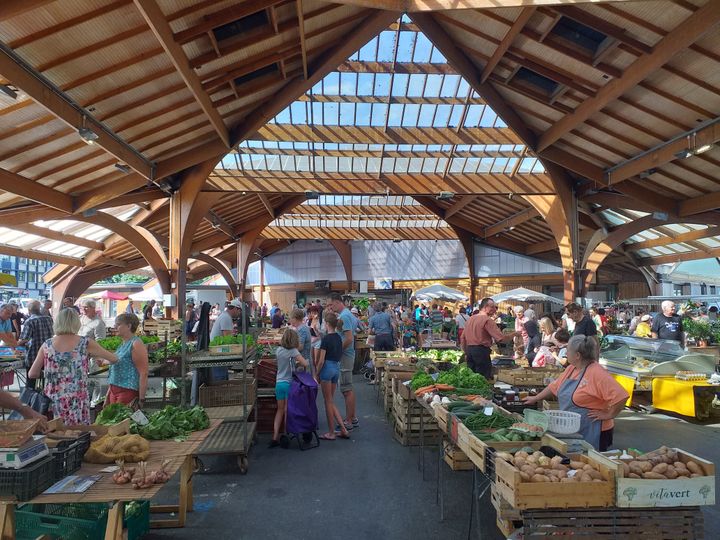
x: 282, y: 390
x: 330, y: 372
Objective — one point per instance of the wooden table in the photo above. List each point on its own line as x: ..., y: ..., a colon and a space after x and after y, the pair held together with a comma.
x: 180, y: 457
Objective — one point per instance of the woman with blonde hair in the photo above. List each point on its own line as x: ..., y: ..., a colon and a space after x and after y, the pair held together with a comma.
x: 64, y: 360
x: 546, y: 329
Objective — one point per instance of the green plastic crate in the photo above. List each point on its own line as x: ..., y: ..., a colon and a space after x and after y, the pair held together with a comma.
x: 81, y: 521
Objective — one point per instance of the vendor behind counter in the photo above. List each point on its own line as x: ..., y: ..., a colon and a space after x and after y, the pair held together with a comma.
x: 588, y: 389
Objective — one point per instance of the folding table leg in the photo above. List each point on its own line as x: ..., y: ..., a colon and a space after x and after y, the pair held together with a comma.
x: 7, y: 521
x: 114, y: 527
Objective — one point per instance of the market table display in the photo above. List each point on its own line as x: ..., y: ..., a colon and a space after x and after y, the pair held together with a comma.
x: 174, y: 456
x: 547, y: 490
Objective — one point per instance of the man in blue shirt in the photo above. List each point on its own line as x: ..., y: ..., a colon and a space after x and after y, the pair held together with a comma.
x: 347, y: 363
x: 6, y: 332
x: 381, y: 325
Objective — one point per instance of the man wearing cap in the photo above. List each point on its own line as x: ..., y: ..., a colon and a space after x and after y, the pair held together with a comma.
x: 643, y: 328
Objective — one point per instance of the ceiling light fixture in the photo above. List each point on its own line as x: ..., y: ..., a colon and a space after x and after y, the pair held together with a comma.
x: 684, y: 154
x: 703, y: 148
x: 649, y: 172
x: 311, y: 195
x: 445, y: 195
x: 9, y: 91
x: 122, y: 167
x: 397, y: 240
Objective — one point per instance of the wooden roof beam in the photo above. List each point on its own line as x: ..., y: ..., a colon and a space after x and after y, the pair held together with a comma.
x: 684, y: 35
x: 511, y: 222
x: 51, y: 234
x: 444, y: 5
x: 159, y: 25
x: 35, y: 191
x: 54, y: 100
x: 618, y: 200
x: 696, y: 205
x: 665, y: 153
x: 15, y: 251
x: 510, y: 36
x: 266, y: 203
x: 679, y: 257
x: 364, y: 184
x: 458, y: 205
x: 676, y: 238
x: 301, y: 31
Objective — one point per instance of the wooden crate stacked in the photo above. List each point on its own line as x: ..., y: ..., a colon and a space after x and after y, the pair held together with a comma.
x: 456, y: 459
x: 391, y: 373
x: 163, y: 328
x: 537, y: 377
x: 407, y: 415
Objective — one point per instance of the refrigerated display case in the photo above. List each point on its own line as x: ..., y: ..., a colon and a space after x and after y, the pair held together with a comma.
x: 651, y: 365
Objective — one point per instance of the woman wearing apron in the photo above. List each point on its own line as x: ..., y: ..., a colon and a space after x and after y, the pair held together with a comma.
x: 586, y: 388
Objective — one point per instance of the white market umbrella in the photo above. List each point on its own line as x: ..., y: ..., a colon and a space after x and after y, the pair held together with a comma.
x: 152, y: 293
x: 436, y: 291
x: 521, y: 294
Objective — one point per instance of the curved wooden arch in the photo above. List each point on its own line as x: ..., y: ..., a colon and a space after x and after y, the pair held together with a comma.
x: 601, y: 245
x: 77, y: 281
x: 220, y: 267
x: 140, y: 238
x: 344, y: 251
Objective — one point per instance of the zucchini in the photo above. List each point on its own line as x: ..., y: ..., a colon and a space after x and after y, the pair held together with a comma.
x: 457, y: 405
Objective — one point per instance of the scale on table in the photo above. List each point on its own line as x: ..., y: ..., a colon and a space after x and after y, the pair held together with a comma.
x: 17, y: 458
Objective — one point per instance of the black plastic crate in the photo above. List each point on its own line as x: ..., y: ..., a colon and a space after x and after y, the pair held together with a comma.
x: 26, y: 483
x: 68, y: 456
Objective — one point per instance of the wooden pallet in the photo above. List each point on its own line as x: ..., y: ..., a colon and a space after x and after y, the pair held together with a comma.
x: 685, y: 523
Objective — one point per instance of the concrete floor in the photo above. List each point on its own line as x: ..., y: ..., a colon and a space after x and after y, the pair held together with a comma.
x: 370, y: 487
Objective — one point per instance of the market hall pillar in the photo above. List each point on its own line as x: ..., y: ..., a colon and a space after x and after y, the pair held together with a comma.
x: 468, y: 243
x: 188, y: 206
x: 247, y: 244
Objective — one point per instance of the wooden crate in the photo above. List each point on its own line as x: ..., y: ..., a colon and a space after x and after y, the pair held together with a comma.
x: 643, y: 493
x: 227, y: 393
x: 525, y: 495
x: 503, y: 508
x: 527, y: 376
x: 235, y: 348
x: 408, y: 414
x: 658, y: 524
x: 456, y: 458
x: 412, y: 438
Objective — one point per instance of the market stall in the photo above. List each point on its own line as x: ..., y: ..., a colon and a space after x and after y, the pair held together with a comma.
x: 66, y: 483
x: 541, y: 480
x: 661, y: 373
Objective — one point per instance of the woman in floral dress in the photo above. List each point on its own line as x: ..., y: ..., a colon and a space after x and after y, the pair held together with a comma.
x: 64, y: 362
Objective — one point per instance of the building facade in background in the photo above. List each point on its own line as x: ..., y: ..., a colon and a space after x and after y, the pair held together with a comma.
x: 29, y: 273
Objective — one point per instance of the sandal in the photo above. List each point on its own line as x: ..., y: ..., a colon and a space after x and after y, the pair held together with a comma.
x: 346, y: 436
x: 327, y: 437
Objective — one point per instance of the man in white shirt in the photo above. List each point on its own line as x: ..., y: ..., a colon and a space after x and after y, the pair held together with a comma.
x: 224, y: 325
x: 92, y: 324
x: 530, y: 313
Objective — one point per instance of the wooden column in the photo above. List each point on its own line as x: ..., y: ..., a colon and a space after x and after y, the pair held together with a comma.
x: 344, y: 251
x: 248, y: 243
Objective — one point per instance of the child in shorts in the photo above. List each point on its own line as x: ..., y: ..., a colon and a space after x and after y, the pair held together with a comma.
x: 288, y: 357
x: 328, y: 373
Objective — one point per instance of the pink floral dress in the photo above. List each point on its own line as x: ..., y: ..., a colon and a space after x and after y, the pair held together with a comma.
x: 66, y: 383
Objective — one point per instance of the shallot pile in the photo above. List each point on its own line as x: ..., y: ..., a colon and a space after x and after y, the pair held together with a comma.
x: 140, y: 477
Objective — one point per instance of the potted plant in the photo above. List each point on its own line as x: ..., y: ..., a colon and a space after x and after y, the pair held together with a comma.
x: 698, y: 331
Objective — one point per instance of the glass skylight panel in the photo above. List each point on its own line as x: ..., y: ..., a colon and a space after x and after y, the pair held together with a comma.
x: 348, y: 84
x: 450, y: 86
x: 437, y: 57
x: 710, y: 242
x: 472, y: 117
x: 415, y: 166
x: 430, y: 165
x: 386, y: 46
x: 423, y: 49
x: 368, y: 51
x: 405, y: 46
x: 433, y: 85
x: 379, y: 112
x: 426, y: 116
